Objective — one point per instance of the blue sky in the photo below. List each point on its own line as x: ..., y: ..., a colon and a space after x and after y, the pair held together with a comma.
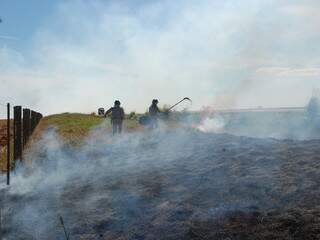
x: 79, y: 55
x: 21, y: 19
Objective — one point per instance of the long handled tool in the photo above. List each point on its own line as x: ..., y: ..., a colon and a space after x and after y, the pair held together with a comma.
x: 145, y: 120
x: 186, y: 98
x: 64, y: 228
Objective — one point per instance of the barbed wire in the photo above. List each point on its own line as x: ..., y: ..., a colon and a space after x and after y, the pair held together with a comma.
x: 12, y: 106
x: 6, y: 105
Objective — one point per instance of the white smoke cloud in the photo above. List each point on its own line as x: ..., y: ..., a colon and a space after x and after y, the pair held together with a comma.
x: 212, y: 124
x: 117, y: 179
x: 86, y: 54
x: 289, y: 72
x: 151, y: 181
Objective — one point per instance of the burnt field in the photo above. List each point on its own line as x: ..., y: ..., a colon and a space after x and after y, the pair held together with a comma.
x: 169, y: 184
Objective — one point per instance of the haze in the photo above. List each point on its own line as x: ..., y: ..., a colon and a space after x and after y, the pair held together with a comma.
x: 75, y: 56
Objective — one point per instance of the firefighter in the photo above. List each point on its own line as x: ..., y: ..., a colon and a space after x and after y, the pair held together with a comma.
x: 117, y: 116
x: 154, y: 113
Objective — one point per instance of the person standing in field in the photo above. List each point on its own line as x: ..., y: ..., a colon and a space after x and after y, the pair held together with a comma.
x: 154, y: 113
x: 117, y: 116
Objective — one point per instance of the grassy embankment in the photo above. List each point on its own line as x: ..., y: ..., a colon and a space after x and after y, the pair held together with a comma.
x: 74, y: 127
x: 71, y: 127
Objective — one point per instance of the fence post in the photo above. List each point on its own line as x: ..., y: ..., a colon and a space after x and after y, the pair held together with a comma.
x: 17, y: 153
x: 39, y: 117
x: 33, y: 121
x: 26, y: 125
x: 8, y: 144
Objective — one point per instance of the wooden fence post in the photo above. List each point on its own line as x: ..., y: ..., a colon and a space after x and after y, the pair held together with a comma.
x: 8, y: 144
x: 17, y: 153
x: 39, y: 117
x: 26, y: 125
x: 33, y: 121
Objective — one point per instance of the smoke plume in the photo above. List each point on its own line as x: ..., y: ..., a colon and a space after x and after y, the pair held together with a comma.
x: 148, y: 182
x: 221, y: 54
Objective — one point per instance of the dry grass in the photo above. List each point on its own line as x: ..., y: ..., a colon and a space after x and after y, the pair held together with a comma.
x: 3, y: 144
x: 3, y: 132
x: 74, y: 127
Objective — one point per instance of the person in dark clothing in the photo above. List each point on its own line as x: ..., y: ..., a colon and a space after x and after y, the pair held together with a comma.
x: 117, y: 116
x: 154, y: 113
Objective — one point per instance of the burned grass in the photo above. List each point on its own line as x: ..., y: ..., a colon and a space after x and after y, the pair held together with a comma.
x: 275, y: 225
x: 170, y: 185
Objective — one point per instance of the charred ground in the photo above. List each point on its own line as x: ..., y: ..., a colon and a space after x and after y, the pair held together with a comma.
x: 171, y: 184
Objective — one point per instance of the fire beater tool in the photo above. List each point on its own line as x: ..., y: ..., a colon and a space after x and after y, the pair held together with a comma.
x: 64, y: 228
x: 145, y: 120
x: 186, y: 98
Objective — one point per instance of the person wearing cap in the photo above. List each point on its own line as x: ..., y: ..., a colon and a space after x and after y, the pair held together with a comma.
x: 117, y: 116
x: 154, y: 113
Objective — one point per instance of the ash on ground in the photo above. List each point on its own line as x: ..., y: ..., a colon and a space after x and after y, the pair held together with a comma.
x: 167, y: 184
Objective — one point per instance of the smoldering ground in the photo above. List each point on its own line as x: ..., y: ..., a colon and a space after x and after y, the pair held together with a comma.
x: 167, y: 184
x: 279, y: 125
x: 298, y: 124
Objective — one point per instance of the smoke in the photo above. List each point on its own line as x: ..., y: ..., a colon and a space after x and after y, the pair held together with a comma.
x: 212, y: 124
x: 217, y: 53
x: 313, y: 107
x: 301, y: 124
x: 86, y: 178
x: 143, y: 183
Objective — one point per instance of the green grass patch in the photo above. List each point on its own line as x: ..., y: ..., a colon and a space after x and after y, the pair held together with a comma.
x: 71, y: 127
x: 73, y: 121
x: 74, y: 127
